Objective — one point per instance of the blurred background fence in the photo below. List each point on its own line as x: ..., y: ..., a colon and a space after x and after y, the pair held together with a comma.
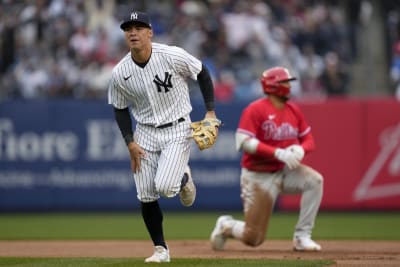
x: 69, y: 155
x: 61, y: 150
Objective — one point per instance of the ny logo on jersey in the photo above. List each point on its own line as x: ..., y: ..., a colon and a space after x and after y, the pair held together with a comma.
x: 134, y: 16
x: 166, y: 83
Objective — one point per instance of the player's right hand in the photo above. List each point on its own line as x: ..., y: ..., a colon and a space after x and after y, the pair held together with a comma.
x: 288, y: 157
x: 136, y: 154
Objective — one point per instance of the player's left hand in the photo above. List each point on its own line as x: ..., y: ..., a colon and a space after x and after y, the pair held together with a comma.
x: 297, y: 150
x: 205, y: 132
x: 288, y: 157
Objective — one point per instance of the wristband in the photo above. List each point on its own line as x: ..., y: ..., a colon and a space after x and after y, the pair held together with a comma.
x: 265, y: 150
x: 128, y: 138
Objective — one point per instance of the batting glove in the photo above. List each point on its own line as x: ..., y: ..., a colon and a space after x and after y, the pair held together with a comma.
x: 297, y: 150
x: 288, y: 157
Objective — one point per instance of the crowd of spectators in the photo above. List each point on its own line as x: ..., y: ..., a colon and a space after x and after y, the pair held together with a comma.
x: 67, y: 48
x: 392, y: 13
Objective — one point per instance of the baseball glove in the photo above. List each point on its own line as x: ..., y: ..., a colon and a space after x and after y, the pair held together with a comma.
x: 205, y: 132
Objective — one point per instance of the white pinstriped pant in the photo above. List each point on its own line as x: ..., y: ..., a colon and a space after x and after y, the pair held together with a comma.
x: 167, y: 155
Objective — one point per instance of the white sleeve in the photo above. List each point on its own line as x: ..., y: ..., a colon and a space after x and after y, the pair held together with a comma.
x: 186, y: 63
x: 246, y: 143
x: 115, y: 94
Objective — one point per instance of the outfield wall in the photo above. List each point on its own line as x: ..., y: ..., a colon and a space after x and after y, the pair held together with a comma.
x: 68, y: 155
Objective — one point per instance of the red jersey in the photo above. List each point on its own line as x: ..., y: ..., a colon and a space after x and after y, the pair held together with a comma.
x: 275, y: 127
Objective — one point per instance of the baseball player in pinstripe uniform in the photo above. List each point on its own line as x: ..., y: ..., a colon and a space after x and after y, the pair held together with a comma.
x: 274, y: 137
x: 151, y: 81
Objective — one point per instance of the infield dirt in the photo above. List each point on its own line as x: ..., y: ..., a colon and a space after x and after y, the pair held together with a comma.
x: 344, y: 253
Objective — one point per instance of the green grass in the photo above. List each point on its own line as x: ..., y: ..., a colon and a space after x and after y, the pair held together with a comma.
x: 96, y: 262
x: 358, y: 226
x: 130, y: 226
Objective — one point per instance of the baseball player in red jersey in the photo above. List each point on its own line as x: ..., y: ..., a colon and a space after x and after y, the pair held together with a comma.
x: 274, y: 137
x: 150, y: 83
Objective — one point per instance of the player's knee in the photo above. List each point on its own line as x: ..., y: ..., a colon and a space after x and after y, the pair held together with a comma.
x: 252, y: 238
x: 166, y: 191
x: 318, y: 179
x: 314, y: 180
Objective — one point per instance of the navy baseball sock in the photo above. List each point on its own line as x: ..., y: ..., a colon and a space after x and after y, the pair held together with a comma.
x: 152, y: 216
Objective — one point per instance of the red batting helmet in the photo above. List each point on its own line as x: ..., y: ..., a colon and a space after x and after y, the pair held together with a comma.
x: 272, y: 78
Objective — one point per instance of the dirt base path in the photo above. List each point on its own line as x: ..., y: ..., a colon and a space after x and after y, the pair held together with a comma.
x: 344, y: 253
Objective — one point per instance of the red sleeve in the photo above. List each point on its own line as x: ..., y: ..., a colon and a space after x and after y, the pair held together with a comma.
x: 306, y: 138
x: 248, y: 121
x: 307, y: 142
x: 248, y: 124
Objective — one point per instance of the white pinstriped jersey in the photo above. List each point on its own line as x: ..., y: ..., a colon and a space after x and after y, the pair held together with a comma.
x: 158, y: 93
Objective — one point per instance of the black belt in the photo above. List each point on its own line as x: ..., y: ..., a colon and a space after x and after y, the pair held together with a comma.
x: 170, y: 123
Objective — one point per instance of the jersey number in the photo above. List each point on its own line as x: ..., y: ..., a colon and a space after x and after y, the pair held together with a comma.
x: 166, y: 84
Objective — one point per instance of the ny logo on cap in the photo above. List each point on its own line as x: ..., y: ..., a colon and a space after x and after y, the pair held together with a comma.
x: 134, y: 16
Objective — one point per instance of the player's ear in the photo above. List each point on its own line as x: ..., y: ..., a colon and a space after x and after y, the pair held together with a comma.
x: 150, y: 33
